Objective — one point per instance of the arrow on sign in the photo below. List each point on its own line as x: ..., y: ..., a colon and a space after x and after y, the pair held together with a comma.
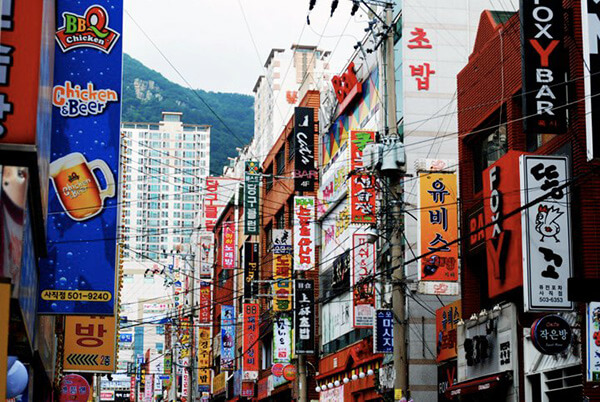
x: 82, y: 359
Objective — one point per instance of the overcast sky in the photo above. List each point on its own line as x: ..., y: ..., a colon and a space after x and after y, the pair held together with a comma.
x: 210, y: 44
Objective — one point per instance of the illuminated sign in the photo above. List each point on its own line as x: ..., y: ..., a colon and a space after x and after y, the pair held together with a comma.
x: 346, y: 87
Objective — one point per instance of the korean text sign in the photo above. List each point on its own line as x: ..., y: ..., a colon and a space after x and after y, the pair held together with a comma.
x: 228, y: 241
x: 216, y: 196
x: 438, y: 224
x: 250, y: 269
x: 383, y: 338
x: 363, y: 271
x: 250, y: 350
x: 363, y: 192
x: 282, y: 288
x: 90, y: 343
x: 251, y: 199
x: 546, y: 233
x: 204, y: 363
x: 204, y: 312
x: 78, y: 277
x: 227, y: 338
x: 282, y: 340
x: 304, y: 325
x: 304, y: 233
x: 446, y: 319
x: 590, y: 11
x: 305, y: 173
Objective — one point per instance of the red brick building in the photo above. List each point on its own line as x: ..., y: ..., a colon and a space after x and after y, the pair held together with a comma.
x: 491, y: 135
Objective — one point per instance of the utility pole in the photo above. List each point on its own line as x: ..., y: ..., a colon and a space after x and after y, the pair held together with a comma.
x: 192, y: 360
x: 396, y: 246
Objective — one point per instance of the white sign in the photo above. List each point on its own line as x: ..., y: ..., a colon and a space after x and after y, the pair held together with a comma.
x: 282, y: 340
x: 593, y: 349
x: 363, y: 271
x: 207, y: 248
x: 282, y: 241
x: 337, y: 317
x: 546, y: 233
x: 335, y: 394
x: 304, y: 233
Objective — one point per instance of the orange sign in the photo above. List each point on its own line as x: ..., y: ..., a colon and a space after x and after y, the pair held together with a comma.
x: 90, y: 344
x: 438, y: 220
x: 204, y: 356
x: 282, y: 273
x: 4, y: 316
x: 446, y: 319
x: 27, y: 41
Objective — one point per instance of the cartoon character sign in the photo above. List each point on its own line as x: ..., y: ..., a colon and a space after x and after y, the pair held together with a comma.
x: 545, y: 222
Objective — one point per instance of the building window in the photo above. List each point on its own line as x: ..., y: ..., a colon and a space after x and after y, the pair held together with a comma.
x: 280, y: 219
x: 269, y: 178
x: 291, y: 148
x: 280, y: 161
x: 489, y: 146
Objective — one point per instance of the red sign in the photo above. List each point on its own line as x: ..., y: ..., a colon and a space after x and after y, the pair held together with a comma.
x: 247, y: 389
x: 362, y: 186
x: 74, y: 387
x: 26, y: 30
x: 277, y: 369
x: 421, y: 72
x: 501, y: 195
x: 289, y: 372
x: 204, y: 316
x: 250, y: 350
x: 132, y: 386
x: 446, y: 320
x: 228, y: 245
x: 346, y: 87
x: 216, y: 195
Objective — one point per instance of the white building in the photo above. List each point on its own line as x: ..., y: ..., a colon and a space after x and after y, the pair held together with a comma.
x: 289, y: 74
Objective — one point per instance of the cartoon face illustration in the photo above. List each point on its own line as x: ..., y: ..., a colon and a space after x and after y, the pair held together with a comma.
x: 545, y: 221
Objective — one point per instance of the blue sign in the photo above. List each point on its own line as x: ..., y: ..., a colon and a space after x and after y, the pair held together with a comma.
x: 227, y: 338
x: 125, y: 337
x: 164, y: 377
x: 384, y: 332
x: 78, y: 277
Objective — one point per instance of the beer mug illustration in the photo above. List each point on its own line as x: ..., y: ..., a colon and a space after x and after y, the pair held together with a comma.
x: 77, y: 186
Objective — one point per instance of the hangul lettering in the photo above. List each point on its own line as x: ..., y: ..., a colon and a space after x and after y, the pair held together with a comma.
x: 422, y: 70
x: 550, y: 256
x: 87, y: 338
x: 419, y: 40
x: 549, y: 174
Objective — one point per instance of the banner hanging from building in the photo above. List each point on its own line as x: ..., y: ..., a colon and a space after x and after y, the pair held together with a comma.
x: 205, y: 304
x: 590, y: 11
x: 251, y: 198
x: 446, y: 320
x: 250, y: 269
x: 217, y: 194
x: 204, y: 363
x: 282, y: 241
x: 90, y: 344
x: 304, y: 233
x: 593, y: 341
x: 363, y: 288
x: 207, y: 256
x: 282, y: 287
x: 305, y: 173
x: 250, y: 350
x: 227, y: 338
x: 363, y: 192
x: 383, y: 332
x: 282, y: 340
x: 229, y: 249
x: 438, y: 223
x: 304, y: 324
x: 546, y: 233
x: 544, y: 67
x: 78, y: 277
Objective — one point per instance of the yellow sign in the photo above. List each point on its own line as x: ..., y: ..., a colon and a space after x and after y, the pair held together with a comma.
x: 4, y: 314
x: 397, y: 394
x: 77, y: 295
x: 90, y: 344
x: 203, y: 356
x: 219, y: 382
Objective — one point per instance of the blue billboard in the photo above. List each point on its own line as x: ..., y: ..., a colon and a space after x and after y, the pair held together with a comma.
x: 78, y: 277
x: 227, y: 338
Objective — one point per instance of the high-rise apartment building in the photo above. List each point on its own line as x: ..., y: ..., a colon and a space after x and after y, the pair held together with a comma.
x: 288, y: 75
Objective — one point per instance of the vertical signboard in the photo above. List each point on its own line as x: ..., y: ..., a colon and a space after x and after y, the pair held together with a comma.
x: 363, y: 269
x: 282, y: 241
x: 304, y: 325
x: 90, y: 344
x: 78, y: 277
x: 4, y: 321
x: 446, y: 319
x: 543, y: 67
x: 227, y: 338
x: 438, y: 224
x: 204, y: 311
x: 590, y: 15
x: 204, y: 363
x: 250, y: 269
x: 305, y: 173
x: 282, y: 287
x: 282, y: 340
x: 207, y: 249
x: 251, y: 198
x: 383, y: 332
x: 546, y: 233
x: 228, y: 242
x: 250, y: 349
x: 217, y: 194
x: 363, y: 193
x: 304, y: 233
x: 593, y: 341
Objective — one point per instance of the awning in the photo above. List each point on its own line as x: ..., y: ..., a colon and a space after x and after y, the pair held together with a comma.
x: 478, y: 385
